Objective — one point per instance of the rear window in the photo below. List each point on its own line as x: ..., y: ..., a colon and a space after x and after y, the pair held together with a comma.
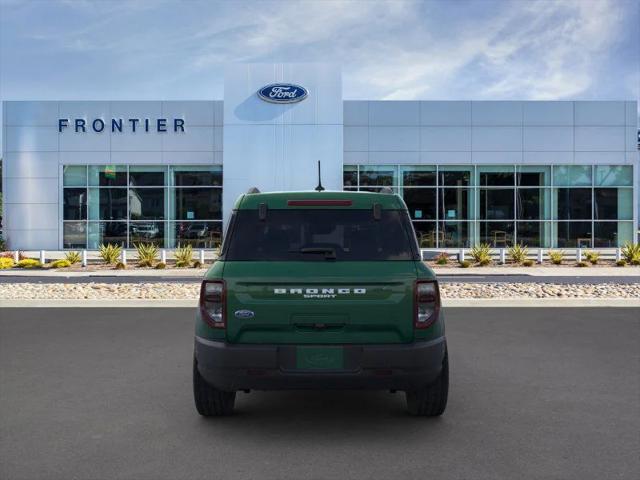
x: 319, y: 235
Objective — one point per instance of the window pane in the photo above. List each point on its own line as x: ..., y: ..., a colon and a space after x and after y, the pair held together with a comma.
x: 146, y: 232
x: 421, y: 202
x: 196, y: 204
x: 613, y: 203
x: 378, y: 175
x: 496, y: 234
x: 145, y: 176
x: 573, y: 203
x: 455, y: 176
x: 533, y: 176
x: 350, y: 176
x: 74, y: 176
x: 418, y: 176
x: 108, y: 204
x: 496, y: 204
x: 454, y: 234
x: 196, y: 234
x: 426, y: 234
x: 572, y: 175
x: 74, y: 235
x: 75, y: 204
x: 456, y: 204
x: 574, y: 234
x: 533, y: 234
x: 614, y: 175
x: 108, y: 175
x: 532, y: 203
x: 197, y: 176
x: 107, y: 232
x: 146, y: 203
x: 496, y: 175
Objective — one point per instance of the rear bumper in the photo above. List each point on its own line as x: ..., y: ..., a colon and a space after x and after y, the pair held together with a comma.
x: 233, y: 367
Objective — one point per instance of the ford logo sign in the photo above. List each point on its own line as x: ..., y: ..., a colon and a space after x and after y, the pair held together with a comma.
x: 244, y: 314
x: 283, y: 93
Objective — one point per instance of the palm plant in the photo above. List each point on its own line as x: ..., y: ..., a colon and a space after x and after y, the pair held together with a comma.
x: 110, y: 252
x: 184, y: 256
x: 481, y: 253
x: 631, y: 253
x: 73, y: 257
x: 518, y: 253
x: 147, y: 254
x: 556, y: 256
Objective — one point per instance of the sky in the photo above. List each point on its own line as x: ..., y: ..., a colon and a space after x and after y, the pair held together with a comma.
x: 395, y: 49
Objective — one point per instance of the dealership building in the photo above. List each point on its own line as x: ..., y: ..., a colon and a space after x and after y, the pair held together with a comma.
x: 547, y: 174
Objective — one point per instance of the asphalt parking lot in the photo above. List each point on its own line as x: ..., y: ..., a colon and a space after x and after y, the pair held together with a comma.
x: 106, y: 393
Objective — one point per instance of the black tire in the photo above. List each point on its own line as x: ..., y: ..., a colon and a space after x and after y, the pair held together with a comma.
x: 431, y: 401
x: 211, y: 402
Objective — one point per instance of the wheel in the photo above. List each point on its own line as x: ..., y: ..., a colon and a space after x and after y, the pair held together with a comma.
x: 210, y: 402
x: 431, y: 401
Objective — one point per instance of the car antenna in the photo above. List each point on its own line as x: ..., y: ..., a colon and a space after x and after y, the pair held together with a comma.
x: 319, y: 188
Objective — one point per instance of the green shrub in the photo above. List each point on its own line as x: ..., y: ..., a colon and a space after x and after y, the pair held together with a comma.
x: 465, y: 263
x: 592, y: 257
x: 442, y: 259
x: 582, y: 263
x: 481, y: 254
x: 73, y: 257
x: 528, y: 262
x: 161, y: 266
x: 110, y: 253
x: 120, y: 266
x: 62, y: 263
x: 621, y: 263
x: 29, y: 263
x: 6, y: 262
x: 518, y: 253
x: 184, y: 256
x: 556, y: 256
x: 147, y: 254
x: 631, y: 253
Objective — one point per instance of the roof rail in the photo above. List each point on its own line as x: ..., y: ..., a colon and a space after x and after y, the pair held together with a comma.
x: 253, y: 190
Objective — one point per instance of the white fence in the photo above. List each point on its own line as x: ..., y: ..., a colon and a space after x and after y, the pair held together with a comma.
x: 539, y: 255
x: 93, y: 256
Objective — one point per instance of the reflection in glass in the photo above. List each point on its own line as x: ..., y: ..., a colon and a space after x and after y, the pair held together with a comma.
x: 350, y: 176
x: 146, y: 203
x: 378, y: 175
x: 533, y: 175
x: 455, y: 204
x: 614, y: 175
x: 497, y: 234
x: 574, y: 234
x: 532, y: 203
x: 496, y: 175
x: 74, y: 235
x: 196, y: 176
x: 197, y: 204
x: 108, y: 175
x: 74, y: 176
x: 146, y: 175
x: 426, y: 234
x: 454, y: 234
x: 419, y: 176
x: 531, y: 234
x: 573, y: 203
x: 572, y: 175
x: 421, y: 202
x: 146, y: 232
x: 107, y: 232
x: 613, y: 203
x: 74, y: 204
x: 496, y: 204
x: 455, y: 176
x: 196, y: 234
x: 108, y: 204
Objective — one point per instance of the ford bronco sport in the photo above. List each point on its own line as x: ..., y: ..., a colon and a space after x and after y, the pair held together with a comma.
x: 320, y: 290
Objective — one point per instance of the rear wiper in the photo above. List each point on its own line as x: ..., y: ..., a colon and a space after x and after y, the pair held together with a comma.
x: 329, y: 253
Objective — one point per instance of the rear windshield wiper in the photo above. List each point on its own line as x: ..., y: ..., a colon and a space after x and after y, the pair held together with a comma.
x: 329, y: 253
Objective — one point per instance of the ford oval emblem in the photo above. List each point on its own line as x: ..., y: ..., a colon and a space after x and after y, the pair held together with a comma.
x: 283, y: 93
x: 244, y: 314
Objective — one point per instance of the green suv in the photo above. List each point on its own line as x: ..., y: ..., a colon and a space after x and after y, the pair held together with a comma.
x: 320, y: 290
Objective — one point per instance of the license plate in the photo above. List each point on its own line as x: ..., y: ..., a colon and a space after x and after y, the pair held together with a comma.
x: 319, y: 358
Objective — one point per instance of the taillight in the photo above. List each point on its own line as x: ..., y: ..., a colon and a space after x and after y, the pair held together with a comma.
x: 427, y: 303
x: 212, y: 303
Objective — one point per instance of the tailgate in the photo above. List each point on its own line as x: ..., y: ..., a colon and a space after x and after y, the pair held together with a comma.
x: 319, y: 302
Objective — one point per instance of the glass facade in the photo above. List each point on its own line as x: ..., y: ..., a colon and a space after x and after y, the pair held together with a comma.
x: 534, y: 205
x: 127, y: 205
